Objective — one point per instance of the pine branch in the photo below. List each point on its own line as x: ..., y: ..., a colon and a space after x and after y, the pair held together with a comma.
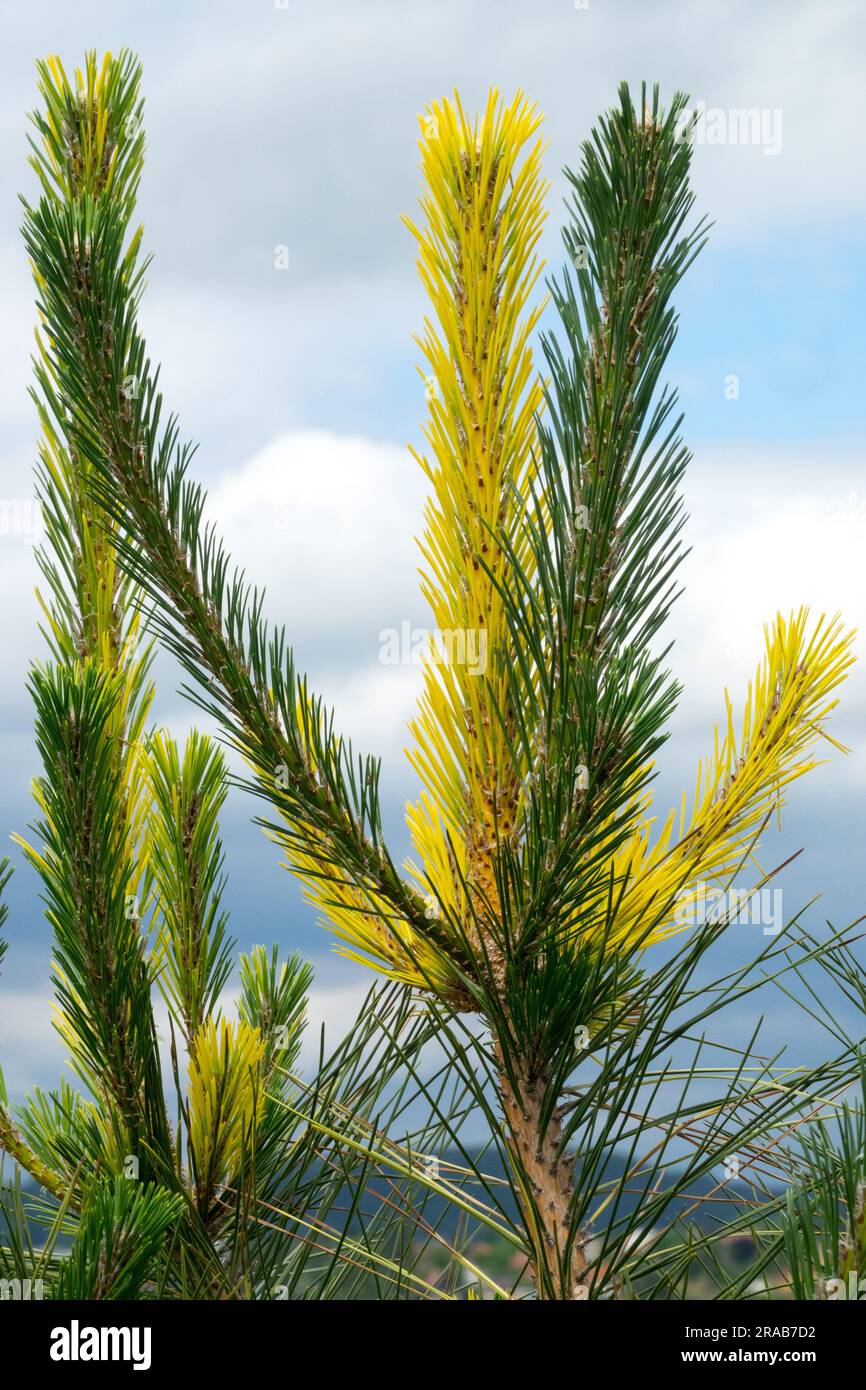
x: 119, y: 1240
x: 193, y: 955
x: 208, y: 617
x: 88, y: 870
x: 478, y: 262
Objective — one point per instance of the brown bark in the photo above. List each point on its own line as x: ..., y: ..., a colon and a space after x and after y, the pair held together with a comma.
x: 546, y: 1176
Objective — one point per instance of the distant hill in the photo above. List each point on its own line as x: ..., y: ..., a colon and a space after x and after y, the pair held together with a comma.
x: 437, y: 1211
x: 721, y: 1210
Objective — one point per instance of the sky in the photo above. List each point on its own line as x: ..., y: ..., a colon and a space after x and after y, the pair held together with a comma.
x: 295, y: 126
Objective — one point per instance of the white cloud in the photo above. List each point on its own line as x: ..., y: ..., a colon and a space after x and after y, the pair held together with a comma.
x: 32, y: 1053
x: 328, y: 522
x: 770, y: 532
x: 333, y: 104
x: 308, y: 139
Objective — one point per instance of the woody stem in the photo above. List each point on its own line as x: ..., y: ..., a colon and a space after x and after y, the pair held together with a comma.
x: 543, y: 1176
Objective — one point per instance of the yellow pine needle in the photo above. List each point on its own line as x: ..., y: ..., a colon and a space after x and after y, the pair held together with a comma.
x: 483, y: 211
x: 366, y: 926
x: 477, y: 258
x: 78, y: 110
x: 225, y: 1096
x: 106, y: 627
x: 785, y: 711
x: 359, y: 917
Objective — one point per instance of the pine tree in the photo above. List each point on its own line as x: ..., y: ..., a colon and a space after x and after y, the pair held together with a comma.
x: 552, y: 540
